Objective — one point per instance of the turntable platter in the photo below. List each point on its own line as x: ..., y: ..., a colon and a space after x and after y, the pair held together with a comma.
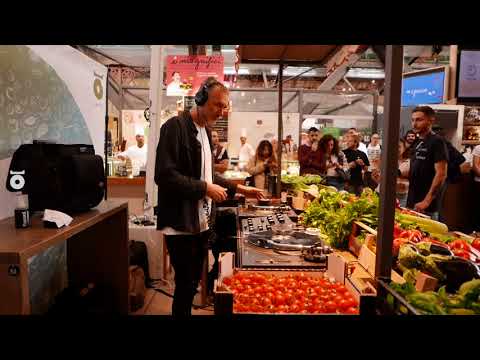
x: 296, y: 241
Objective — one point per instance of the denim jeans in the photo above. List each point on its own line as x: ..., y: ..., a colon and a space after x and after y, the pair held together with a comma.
x: 336, y: 182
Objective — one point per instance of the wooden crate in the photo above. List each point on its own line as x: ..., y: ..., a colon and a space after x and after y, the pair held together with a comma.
x: 338, y: 270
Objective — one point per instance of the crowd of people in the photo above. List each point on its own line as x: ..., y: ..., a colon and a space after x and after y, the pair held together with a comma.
x: 427, y: 162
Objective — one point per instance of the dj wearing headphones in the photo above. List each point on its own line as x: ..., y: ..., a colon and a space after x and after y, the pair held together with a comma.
x: 188, y: 189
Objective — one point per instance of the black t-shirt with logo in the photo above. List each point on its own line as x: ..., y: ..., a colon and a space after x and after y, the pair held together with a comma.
x: 423, y: 156
x: 356, y: 173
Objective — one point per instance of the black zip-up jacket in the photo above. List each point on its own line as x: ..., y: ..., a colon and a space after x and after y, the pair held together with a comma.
x: 177, y: 174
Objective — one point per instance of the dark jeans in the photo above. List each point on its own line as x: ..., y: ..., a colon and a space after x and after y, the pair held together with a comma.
x: 187, y: 254
x: 336, y: 182
x: 355, y: 189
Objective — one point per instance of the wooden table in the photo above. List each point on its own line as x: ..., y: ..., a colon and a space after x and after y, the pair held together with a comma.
x: 97, y: 251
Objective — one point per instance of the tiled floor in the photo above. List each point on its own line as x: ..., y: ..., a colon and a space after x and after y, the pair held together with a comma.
x: 157, y: 303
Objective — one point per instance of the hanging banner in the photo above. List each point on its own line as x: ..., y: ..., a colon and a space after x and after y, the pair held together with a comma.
x: 186, y: 73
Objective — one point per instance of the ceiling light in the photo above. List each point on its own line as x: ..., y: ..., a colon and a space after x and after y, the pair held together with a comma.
x: 242, y: 93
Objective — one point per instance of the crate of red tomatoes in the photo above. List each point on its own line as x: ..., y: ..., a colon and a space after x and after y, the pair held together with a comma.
x: 281, y: 291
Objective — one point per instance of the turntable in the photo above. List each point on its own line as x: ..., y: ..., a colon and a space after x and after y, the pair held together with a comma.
x: 282, y: 245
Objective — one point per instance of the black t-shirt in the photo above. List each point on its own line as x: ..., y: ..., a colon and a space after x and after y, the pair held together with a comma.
x: 455, y: 159
x: 356, y: 172
x: 220, y: 154
x: 423, y: 156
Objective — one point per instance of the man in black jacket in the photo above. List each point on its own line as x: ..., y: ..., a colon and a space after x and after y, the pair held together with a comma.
x: 188, y: 189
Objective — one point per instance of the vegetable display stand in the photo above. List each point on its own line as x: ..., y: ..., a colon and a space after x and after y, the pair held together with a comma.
x: 389, y: 302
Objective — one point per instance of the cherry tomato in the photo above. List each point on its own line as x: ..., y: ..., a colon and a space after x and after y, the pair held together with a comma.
x: 351, y: 311
x: 459, y: 244
x: 476, y: 244
x: 461, y: 253
x: 279, y: 300
x: 324, y: 298
x: 227, y: 281
x: 294, y: 308
x: 341, y: 289
x: 266, y: 301
x: 270, y: 296
x: 281, y: 309
x: 299, y: 292
x: 338, y: 299
x: 330, y: 307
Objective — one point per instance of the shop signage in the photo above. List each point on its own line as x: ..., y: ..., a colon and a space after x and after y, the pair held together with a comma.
x: 423, y: 89
x: 185, y: 73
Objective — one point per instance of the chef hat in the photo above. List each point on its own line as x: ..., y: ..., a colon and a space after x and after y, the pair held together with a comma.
x: 243, y: 132
x: 139, y: 130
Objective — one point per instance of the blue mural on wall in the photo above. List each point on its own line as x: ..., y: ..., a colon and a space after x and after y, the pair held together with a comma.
x: 35, y: 103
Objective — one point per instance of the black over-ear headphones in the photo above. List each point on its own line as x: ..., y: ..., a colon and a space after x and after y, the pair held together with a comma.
x: 201, y: 96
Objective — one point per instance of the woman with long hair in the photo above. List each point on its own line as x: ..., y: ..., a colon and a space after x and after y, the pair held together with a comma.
x: 262, y: 164
x: 333, y: 162
x: 403, y: 172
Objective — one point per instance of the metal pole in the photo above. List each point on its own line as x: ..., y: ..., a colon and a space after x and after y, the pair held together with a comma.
x: 280, y: 128
x: 389, y: 160
x: 156, y: 103
x: 375, y: 114
x: 300, y: 117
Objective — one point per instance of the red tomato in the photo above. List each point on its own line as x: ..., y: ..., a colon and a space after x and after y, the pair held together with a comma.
x: 270, y: 289
x: 351, y: 310
x: 258, y: 289
x: 266, y: 301
x: 330, y: 307
x: 281, y: 308
x: 341, y: 289
x: 292, y: 285
x: 344, y: 304
x: 349, y: 302
x: 304, y: 311
x: 270, y: 295
x: 459, y: 244
x: 289, y: 299
x: 227, y: 281
x: 476, y: 244
x: 461, y: 253
x: 324, y: 298
x: 240, y: 308
x: 270, y: 308
x: 320, y: 291
x: 294, y: 308
x: 338, y: 299
x: 279, y: 300
x: 299, y: 292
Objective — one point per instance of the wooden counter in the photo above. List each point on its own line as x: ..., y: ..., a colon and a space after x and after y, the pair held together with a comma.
x: 97, y: 251
x: 120, y: 180
x: 131, y: 190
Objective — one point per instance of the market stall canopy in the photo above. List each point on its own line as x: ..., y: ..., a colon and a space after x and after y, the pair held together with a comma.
x: 288, y: 54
